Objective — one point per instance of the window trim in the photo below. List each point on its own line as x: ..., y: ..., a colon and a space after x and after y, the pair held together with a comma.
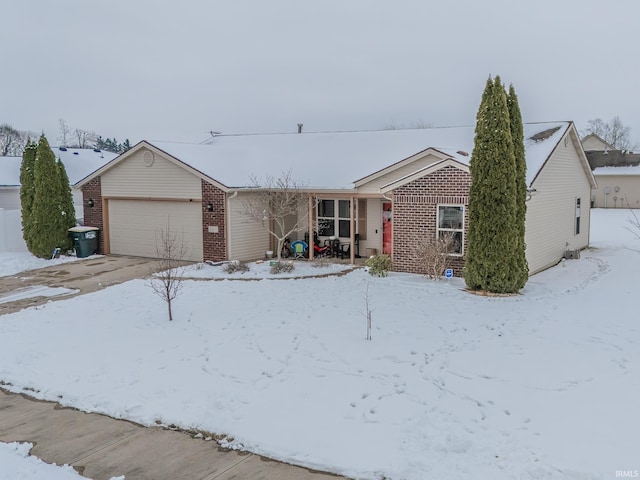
x: 454, y: 230
x: 578, y: 214
x: 336, y: 219
x: 320, y: 219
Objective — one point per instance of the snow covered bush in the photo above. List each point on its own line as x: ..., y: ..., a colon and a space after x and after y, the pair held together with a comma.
x: 434, y: 255
x: 321, y: 262
x: 282, y: 267
x: 379, y: 265
x: 236, y: 266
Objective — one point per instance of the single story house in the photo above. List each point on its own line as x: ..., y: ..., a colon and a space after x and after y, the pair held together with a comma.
x: 380, y: 191
x: 593, y: 143
x: 78, y: 162
x: 617, y: 174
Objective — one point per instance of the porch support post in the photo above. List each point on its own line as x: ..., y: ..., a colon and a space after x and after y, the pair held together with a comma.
x: 352, y: 231
x: 309, y: 219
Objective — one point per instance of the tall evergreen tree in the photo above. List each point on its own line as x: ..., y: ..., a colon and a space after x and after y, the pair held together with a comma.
x: 67, y: 210
x: 517, y: 135
x: 27, y: 189
x: 491, y: 262
x: 49, y: 226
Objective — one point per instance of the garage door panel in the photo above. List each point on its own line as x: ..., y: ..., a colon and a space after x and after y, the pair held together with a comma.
x: 135, y: 226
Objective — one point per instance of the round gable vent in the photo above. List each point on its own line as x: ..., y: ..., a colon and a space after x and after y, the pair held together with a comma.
x: 147, y: 158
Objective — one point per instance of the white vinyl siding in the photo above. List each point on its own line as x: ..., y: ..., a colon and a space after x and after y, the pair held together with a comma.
x: 591, y: 143
x: 135, y: 227
x: 11, y: 231
x: 550, y: 224
x: 248, y: 239
x: 162, y: 179
x: 373, y: 226
x: 375, y: 184
x: 10, y: 198
x: 624, y: 191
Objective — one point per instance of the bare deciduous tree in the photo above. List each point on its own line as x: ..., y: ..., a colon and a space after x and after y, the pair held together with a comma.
x: 85, y: 138
x: 13, y: 141
x: 168, y: 282
x: 64, y: 133
x: 634, y: 224
x: 614, y: 132
x: 367, y: 311
x: 277, y: 204
x: 78, y: 138
x: 392, y: 125
x: 434, y: 254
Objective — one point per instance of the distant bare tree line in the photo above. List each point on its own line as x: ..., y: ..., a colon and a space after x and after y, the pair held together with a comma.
x: 13, y: 141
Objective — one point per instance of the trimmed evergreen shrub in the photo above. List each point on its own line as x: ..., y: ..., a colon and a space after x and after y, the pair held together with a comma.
x: 379, y: 265
x: 67, y: 210
x: 492, y: 263
x: 27, y: 190
x: 517, y: 134
x: 48, y: 224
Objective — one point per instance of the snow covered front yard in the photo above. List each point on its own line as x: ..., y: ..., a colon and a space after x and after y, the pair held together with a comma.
x: 452, y: 385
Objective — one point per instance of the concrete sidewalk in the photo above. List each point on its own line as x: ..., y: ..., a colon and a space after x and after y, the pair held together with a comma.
x: 101, y: 447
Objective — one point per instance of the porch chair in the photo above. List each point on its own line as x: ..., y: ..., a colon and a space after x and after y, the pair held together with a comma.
x: 345, y: 249
x: 299, y: 249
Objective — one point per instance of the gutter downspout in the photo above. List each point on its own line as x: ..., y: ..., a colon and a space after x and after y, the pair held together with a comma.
x: 227, y: 223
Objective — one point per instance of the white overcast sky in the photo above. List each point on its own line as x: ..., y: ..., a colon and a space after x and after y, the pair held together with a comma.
x: 160, y: 70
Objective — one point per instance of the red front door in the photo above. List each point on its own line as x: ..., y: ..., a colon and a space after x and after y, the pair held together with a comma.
x: 387, y: 228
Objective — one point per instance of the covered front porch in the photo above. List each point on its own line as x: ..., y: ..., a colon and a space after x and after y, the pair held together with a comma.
x: 344, y: 226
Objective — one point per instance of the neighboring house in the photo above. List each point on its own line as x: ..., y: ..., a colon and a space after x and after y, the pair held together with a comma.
x: 10, y: 183
x: 617, y: 173
x: 411, y: 185
x: 78, y: 163
x: 593, y: 143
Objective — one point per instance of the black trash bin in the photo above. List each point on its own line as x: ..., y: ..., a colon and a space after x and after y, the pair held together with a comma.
x: 85, y: 240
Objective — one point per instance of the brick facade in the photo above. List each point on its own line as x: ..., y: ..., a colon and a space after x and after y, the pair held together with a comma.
x: 93, y: 215
x: 214, y: 244
x: 415, y: 213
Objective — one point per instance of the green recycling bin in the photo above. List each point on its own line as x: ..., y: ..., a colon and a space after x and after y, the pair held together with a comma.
x: 85, y: 240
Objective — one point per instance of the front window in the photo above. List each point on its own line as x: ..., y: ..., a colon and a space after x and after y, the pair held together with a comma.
x: 344, y: 218
x: 451, y: 224
x: 332, y: 213
x: 326, y: 218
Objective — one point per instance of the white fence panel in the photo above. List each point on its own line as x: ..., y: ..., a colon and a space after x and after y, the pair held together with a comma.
x: 11, y: 231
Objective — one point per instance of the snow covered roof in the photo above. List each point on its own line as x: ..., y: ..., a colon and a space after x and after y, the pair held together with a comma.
x: 625, y: 170
x: 78, y: 162
x: 333, y: 160
x: 323, y: 160
x: 328, y: 160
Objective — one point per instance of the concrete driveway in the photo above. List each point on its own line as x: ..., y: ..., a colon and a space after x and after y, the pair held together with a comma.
x: 82, y: 276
